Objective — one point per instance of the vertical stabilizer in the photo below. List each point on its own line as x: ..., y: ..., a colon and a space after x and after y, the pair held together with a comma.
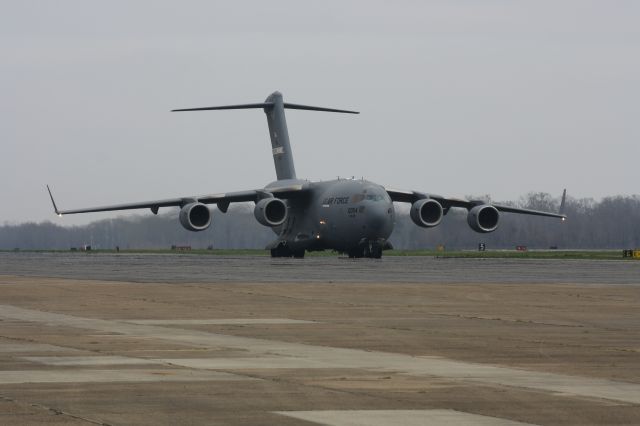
x: 279, y: 134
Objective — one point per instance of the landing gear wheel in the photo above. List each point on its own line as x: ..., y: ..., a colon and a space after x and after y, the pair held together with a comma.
x: 285, y: 251
x: 280, y: 251
x: 275, y: 253
x: 376, y: 251
x: 371, y: 250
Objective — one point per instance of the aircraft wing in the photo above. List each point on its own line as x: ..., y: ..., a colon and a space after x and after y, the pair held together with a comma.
x: 222, y: 200
x: 413, y: 196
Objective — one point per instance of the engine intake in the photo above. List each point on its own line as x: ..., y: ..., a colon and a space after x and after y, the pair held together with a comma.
x: 195, y: 217
x: 270, y: 212
x: 426, y: 213
x: 483, y: 218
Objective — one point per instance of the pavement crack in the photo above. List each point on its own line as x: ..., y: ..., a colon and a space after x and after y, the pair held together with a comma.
x: 53, y: 410
x: 514, y: 320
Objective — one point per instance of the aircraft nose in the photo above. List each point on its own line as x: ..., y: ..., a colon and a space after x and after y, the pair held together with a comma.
x: 377, y: 217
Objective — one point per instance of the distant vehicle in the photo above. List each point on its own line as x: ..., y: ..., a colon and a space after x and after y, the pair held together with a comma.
x: 350, y: 216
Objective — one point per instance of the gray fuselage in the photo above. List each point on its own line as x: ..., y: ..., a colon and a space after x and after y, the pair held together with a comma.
x: 341, y: 215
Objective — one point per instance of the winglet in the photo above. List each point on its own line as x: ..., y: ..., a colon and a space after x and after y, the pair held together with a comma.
x: 55, y: 208
x: 562, y: 203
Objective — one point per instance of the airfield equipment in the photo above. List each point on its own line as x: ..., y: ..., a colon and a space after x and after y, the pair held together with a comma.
x: 350, y: 216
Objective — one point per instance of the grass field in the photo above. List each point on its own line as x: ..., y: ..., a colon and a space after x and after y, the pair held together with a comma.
x: 489, y: 254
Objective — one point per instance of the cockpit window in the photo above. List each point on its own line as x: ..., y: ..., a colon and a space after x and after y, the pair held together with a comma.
x: 368, y: 196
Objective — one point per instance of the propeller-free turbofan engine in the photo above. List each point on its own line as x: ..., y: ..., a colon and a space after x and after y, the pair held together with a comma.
x: 483, y: 218
x: 195, y: 217
x: 426, y: 213
x: 270, y: 212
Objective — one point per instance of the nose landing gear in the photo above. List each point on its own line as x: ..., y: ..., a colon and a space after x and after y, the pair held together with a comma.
x: 368, y: 248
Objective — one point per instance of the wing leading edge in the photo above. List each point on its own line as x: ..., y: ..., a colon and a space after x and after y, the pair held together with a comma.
x: 447, y: 203
x: 222, y: 200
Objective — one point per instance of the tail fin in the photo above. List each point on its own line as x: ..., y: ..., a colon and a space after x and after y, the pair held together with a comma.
x: 274, y: 108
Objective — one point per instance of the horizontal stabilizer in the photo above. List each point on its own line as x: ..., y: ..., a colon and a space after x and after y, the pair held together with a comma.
x: 313, y: 108
x: 267, y: 105
x: 243, y: 106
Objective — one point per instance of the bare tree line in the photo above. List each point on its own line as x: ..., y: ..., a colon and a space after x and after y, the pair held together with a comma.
x: 611, y: 223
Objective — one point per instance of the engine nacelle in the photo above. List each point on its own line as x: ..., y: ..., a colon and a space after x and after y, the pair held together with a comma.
x: 426, y: 213
x: 270, y: 211
x: 483, y: 218
x: 195, y: 217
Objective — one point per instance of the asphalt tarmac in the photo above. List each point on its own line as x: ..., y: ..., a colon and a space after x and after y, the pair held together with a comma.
x: 183, y: 339
x: 176, y: 268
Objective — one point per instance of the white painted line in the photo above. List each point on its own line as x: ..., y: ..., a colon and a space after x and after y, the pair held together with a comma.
x: 10, y: 347
x: 89, y: 360
x: 306, y: 356
x: 127, y: 375
x: 398, y: 417
x: 224, y: 321
x: 249, y: 363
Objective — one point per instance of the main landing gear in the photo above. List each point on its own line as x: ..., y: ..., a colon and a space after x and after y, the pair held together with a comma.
x: 284, y: 251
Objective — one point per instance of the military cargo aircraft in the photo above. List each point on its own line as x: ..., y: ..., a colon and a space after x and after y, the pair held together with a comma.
x: 349, y: 216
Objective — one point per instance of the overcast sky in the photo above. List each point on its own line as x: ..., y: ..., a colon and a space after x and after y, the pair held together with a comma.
x: 456, y: 97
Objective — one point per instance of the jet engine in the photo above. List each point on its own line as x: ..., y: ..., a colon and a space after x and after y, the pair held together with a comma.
x: 195, y: 217
x: 426, y: 213
x: 483, y: 218
x: 270, y: 211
